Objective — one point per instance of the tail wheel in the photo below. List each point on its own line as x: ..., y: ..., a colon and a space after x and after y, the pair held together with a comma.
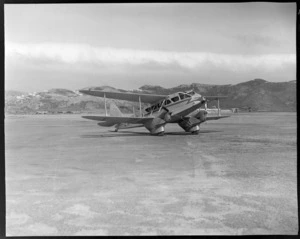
x: 117, y: 127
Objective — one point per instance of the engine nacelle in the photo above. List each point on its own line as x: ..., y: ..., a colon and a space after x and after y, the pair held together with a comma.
x: 156, y: 126
x: 190, y: 125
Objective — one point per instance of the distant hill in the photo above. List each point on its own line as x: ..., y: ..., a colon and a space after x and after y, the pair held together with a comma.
x: 62, y: 92
x: 58, y: 101
x: 258, y: 94
x: 13, y: 93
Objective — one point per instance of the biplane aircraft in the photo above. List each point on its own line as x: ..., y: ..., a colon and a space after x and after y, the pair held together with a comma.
x: 182, y: 108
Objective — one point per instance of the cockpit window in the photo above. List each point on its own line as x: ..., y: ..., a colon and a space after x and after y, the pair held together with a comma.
x: 191, y: 92
x: 174, y: 99
x: 184, y: 96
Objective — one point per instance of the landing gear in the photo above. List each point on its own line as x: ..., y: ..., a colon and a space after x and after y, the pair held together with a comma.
x: 196, y: 132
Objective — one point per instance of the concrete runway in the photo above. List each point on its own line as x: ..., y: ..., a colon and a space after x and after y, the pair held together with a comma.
x: 67, y: 176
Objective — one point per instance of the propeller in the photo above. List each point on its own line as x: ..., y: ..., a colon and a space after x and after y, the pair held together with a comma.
x: 205, y: 103
x: 202, y: 115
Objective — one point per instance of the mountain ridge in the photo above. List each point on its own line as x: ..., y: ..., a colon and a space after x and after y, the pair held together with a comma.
x: 257, y: 95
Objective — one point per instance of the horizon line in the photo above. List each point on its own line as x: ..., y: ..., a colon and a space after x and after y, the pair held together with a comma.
x: 72, y: 89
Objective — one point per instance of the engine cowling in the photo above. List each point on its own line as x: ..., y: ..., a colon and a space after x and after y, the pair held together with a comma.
x: 156, y: 126
x: 167, y: 117
x: 202, y: 115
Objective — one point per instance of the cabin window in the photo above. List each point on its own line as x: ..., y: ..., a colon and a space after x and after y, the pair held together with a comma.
x: 187, y: 96
x: 175, y: 99
x: 167, y: 102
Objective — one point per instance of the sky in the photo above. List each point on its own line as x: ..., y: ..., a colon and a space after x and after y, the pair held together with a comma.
x: 128, y: 45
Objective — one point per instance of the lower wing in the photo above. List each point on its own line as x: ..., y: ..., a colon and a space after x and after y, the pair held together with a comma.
x: 216, y: 117
x: 111, y: 120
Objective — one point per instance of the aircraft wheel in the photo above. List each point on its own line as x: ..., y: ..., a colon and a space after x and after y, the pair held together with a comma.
x: 195, y: 129
x: 161, y: 133
x: 116, y: 130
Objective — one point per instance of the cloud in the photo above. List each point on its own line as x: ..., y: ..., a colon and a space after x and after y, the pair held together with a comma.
x: 81, y: 53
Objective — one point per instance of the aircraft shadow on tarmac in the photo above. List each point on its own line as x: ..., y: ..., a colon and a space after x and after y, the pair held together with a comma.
x: 131, y: 133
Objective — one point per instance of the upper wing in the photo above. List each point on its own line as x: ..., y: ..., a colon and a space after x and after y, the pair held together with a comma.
x: 145, y: 98
x: 216, y: 117
x: 214, y: 97
x: 111, y: 120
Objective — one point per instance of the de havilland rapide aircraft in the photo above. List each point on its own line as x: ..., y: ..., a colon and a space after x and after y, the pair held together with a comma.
x: 182, y: 108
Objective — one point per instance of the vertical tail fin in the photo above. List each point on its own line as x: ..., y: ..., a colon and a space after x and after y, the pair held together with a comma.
x: 114, y: 110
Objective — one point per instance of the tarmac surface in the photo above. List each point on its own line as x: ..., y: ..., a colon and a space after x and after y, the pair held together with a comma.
x: 67, y: 176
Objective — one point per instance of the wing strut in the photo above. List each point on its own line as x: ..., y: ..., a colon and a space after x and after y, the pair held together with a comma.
x: 105, y: 105
x: 162, y: 105
x: 219, y: 112
x: 140, y: 106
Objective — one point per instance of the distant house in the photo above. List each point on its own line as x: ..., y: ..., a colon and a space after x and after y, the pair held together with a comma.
x: 41, y: 112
